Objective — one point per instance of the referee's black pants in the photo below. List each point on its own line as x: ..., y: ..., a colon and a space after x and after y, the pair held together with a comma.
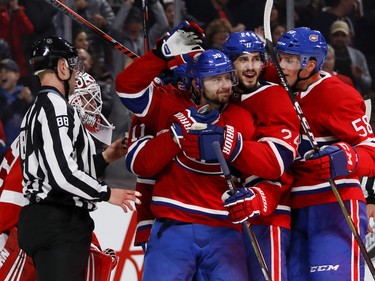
x: 57, y: 238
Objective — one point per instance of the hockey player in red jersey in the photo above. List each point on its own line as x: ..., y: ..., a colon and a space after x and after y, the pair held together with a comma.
x: 277, y: 124
x: 189, y: 186
x: 322, y: 244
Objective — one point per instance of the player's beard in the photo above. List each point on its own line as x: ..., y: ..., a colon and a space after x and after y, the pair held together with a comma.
x: 247, y: 85
x: 221, y: 97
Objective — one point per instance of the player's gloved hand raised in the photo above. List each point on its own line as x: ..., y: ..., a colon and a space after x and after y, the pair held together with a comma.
x: 183, y: 121
x: 180, y: 44
x: 245, y: 203
x: 336, y: 160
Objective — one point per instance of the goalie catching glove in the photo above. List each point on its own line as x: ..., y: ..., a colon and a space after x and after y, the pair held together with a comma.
x: 181, y: 44
x: 337, y: 160
x: 246, y: 203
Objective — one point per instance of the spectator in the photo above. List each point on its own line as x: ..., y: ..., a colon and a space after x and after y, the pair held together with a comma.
x: 15, y: 25
x: 100, y: 14
x: 42, y: 17
x: 217, y: 32
x: 349, y: 61
x: 128, y: 28
x: 334, y: 10
x: 81, y: 40
x: 96, y: 68
x: 276, y: 31
x: 207, y: 11
x: 169, y: 9
x: 86, y: 59
x: 329, y: 66
x: 4, y: 50
x: 14, y: 99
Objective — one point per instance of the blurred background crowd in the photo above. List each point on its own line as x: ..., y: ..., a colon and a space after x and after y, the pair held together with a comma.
x: 347, y: 25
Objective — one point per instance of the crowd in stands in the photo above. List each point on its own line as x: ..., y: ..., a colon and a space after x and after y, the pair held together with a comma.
x: 347, y: 26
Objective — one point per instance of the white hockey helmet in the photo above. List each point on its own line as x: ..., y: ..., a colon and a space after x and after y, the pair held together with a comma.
x: 87, y: 100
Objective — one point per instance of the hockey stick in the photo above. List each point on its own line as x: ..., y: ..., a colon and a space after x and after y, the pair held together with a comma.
x: 145, y: 26
x: 273, y: 55
x: 246, y: 225
x: 74, y: 16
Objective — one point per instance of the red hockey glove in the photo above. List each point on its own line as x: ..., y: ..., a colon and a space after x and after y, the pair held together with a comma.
x: 245, y: 203
x: 184, y: 39
x: 336, y: 160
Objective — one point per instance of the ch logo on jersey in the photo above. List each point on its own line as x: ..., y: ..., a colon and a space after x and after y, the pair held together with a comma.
x: 327, y: 267
x: 62, y: 121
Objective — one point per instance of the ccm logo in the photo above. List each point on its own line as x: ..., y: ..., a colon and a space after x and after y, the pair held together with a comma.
x: 328, y: 267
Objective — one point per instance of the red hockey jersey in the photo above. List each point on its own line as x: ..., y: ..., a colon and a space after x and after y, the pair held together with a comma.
x: 186, y: 189
x: 335, y: 112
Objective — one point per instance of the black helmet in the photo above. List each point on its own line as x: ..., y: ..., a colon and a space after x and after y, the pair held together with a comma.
x: 47, y: 51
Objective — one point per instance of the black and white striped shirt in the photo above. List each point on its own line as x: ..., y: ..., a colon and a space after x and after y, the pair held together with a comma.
x: 57, y: 154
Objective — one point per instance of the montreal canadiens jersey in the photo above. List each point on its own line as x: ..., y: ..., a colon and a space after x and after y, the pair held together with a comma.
x: 335, y: 112
x: 186, y: 189
x: 277, y: 124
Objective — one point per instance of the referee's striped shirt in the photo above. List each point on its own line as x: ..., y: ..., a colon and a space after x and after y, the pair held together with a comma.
x: 57, y: 154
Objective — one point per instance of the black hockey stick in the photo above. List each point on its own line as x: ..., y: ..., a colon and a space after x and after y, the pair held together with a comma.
x: 146, y: 41
x: 273, y: 55
x: 246, y: 225
x: 74, y: 16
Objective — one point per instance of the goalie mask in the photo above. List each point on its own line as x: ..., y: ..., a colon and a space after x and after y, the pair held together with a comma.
x: 87, y: 100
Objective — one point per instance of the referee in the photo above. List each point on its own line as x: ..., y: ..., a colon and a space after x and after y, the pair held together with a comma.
x: 60, y: 170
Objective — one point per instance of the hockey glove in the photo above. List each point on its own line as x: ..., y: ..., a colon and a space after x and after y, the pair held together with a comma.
x: 198, y: 143
x: 232, y: 144
x: 229, y: 139
x: 336, y: 160
x: 245, y: 203
x: 183, y: 121
x: 186, y: 39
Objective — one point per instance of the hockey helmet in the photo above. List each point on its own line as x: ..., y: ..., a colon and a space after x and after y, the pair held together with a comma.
x: 243, y: 43
x: 306, y: 43
x: 210, y: 63
x: 180, y: 74
x: 47, y: 51
x: 87, y: 100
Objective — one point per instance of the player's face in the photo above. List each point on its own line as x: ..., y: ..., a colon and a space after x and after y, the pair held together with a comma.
x: 217, y: 89
x: 249, y: 67
x: 290, y: 65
